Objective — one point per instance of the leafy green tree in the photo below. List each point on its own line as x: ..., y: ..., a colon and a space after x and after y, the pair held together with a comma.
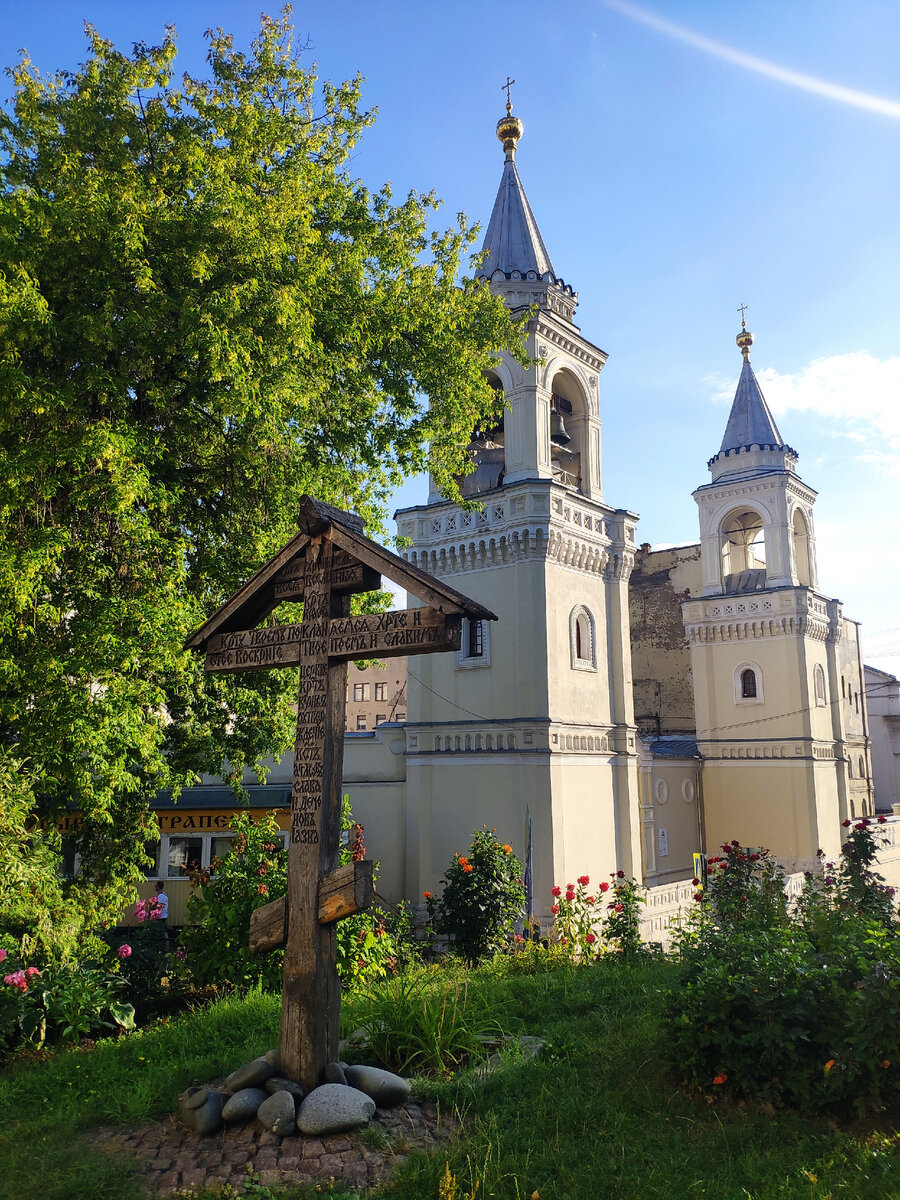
x: 202, y: 316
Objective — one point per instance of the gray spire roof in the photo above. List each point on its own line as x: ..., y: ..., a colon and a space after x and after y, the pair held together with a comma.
x: 513, y: 241
x: 750, y: 422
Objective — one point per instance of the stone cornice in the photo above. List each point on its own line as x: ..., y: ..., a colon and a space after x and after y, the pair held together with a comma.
x: 529, y: 520
x: 780, y: 613
x: 577, y: 346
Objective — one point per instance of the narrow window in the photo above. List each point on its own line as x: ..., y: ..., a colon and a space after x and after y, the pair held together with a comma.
x: 381, y: 691
x: 748, y: 684
x: 819, y: 684
x: 357, y: 692
x: 361, y: 723
x: 476, y: 639
x: 380, y: 718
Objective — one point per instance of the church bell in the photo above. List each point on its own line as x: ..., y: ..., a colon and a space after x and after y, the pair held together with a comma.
x: 558, y: 433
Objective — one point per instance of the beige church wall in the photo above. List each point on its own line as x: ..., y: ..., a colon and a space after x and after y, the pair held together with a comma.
x: 576, y: 694
x: 783, y: 692
x: 767, y: 802
x: 671, y: 804
x: 515, y: 681
x: 660, y: 655
x: 452, y: 796
x: 883, y: 710
x: 584, y: 810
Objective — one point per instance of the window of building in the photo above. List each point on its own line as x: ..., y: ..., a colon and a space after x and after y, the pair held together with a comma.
x: 748, y: 684
x: 361, y: 723
x: 401, y: 716
x: 185, y: 855
x: 381, y: 691
x: 151, y: 849
x: 819, y: 685
x: 380, y: 718
x: 475, y: 649
x: 357, y: 692
x: 582, y: 640
x: 862, y: 768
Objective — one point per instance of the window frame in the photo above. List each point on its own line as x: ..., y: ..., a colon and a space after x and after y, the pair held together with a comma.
x: 739, y: 697
x: 582, y: 626
x: 463, y: 659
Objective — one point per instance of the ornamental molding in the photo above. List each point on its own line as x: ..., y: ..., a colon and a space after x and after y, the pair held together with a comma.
x: 789, y: 613
x: 570, y: 345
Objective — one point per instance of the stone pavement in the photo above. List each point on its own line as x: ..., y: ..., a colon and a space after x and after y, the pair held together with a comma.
x: 176, y: 1160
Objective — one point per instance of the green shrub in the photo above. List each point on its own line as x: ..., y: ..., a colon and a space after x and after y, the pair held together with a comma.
x: 251, y: 874
x: 482, y: 898
x: 794, y: 1008
x: 254, y: 872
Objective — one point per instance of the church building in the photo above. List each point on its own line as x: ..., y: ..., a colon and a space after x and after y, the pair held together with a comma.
x: 630, y: 708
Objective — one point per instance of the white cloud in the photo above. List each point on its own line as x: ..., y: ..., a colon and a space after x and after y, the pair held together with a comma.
x: 858, y: 393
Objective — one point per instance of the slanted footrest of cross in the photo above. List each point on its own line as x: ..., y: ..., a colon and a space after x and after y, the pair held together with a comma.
x: 342, y: 892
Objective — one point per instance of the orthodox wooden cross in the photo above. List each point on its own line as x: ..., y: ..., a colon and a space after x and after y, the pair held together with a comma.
x: 327, y: 561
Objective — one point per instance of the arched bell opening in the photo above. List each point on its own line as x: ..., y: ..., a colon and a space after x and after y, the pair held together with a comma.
x: 568, y: 431
x: 743, y: 549
x: 487, y: 449
x: 802, y: 556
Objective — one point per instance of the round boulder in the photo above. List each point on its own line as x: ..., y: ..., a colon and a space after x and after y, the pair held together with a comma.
x: 277, y: 1084
x: 250, y: 1075
x: 385, y: 1088
x: 278, y: 1113
x: 333, y: 1108
x: 201, y: 1110
x: 334, y: 1073
x: 243, y: 1104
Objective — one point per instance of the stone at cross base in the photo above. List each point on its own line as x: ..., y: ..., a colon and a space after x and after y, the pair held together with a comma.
x: 327, y: 561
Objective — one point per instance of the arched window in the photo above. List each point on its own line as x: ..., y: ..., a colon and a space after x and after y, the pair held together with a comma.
x: 819, y: 685
x: 582, y: 639
x: 748, y: 684
x: 567, y: 432
x: 802, y: 558
x: 744, y: 552
x: 862, y: 768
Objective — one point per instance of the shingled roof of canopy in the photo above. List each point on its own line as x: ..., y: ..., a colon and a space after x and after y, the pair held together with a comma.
x: 253, y: 602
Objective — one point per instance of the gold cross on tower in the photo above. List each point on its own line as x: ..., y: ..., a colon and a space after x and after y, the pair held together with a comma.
x: 742, y: 309
x: 504, y: 87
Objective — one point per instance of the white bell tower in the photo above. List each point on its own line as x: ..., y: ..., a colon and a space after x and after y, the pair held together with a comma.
x: 530, y: 727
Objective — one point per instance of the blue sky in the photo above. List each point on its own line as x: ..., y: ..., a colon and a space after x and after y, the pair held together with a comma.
x: 674, y: 172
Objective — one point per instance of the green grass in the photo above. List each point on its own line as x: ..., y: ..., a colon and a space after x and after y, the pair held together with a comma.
x: 594, y: 1119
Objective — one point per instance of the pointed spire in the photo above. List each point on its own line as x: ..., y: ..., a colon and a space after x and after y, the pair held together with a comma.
x: 751, y: 428
x: 513, y: 245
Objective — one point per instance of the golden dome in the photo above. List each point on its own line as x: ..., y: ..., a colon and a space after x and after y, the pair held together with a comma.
x: 509, y: 130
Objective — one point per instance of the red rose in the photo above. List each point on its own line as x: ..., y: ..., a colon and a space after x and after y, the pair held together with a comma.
x: 620, y: 874
x: 604, y: 887
x: 583, y: 880
x: 555, y: 909
x: 557, y: 891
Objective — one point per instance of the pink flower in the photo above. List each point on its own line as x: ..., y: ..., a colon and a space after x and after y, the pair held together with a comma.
x: 584, y: 880
x: 30, y: 972
x: 16, y: 980
x: 590, y: 939
x: 124, y: 951
x: 3, y: 953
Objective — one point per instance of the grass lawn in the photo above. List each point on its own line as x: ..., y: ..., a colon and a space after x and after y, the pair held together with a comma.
x: 593, y: 1118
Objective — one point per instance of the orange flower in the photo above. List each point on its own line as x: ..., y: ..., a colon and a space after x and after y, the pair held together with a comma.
x: 508, y: 849
x: 427, y: 895
x: 720, y: 1079
x: 467, y: 869
x: 886, y: 1063
x: 263, y: 890
x: 829, y: 1065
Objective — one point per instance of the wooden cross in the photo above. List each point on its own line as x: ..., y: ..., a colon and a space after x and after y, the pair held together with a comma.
x: 504, y: 87
x: 323, y: 565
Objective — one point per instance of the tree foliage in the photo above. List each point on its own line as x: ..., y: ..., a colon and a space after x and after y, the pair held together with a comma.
x: 202, y: 316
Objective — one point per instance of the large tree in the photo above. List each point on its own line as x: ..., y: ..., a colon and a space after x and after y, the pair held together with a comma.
x: 202, y: 316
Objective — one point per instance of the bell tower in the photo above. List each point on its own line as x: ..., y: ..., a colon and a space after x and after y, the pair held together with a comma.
x: 530, y: 726
x: 771, y: 655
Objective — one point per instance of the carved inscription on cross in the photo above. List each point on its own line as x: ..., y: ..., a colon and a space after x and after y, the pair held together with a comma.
x: 328, y: 561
